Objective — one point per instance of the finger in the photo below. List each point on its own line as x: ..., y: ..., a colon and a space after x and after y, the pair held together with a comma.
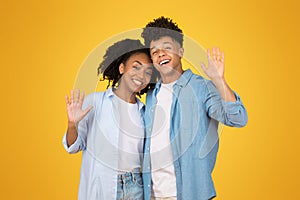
x: 81, y: 98
x: 67, y: 100
x: 214, y: 53
x: 218, y: 54
x: 72, y: 96
x: 208, y: 54
x: 222, y: 57
x: 77, y: 95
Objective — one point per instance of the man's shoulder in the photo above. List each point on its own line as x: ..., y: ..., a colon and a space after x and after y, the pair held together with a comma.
x: 198, y: 77
x: 197, y: 80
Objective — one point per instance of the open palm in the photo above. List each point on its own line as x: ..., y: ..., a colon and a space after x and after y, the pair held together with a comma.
x: 74, y: 107
x: 215, y: 67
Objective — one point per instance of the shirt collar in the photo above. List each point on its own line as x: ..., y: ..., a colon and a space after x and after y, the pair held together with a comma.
x: 182, y: 81
x: 109, y: 92
x: 184, y: 78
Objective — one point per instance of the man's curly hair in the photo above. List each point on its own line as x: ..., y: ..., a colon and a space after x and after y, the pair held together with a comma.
x: 116, y: 54
x: 161, y: 27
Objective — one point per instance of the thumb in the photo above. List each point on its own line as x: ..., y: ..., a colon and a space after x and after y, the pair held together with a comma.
x: 203, y: 67
x: 87, y: 110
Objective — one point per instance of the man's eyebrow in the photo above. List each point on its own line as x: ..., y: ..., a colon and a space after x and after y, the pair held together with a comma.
x: 152, y: 48
x: 163, y: 43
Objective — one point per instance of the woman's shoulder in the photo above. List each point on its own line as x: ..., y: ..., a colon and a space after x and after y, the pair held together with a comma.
x: 94, y: 98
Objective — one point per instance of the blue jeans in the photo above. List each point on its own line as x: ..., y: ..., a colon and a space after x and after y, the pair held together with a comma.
x: 130, y: 186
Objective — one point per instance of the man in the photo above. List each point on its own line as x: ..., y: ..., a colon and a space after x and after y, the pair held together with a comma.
x: 182, y: 116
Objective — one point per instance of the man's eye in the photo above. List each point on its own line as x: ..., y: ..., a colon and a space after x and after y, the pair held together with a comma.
x: 154, y: 52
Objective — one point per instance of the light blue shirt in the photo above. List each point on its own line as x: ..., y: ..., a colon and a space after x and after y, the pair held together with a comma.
x: 98, y: 137
x: 196, y: 110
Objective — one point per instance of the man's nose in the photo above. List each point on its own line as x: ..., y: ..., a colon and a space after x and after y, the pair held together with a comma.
x: 161, y: 52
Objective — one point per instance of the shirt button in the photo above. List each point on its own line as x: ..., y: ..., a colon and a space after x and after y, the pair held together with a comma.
x: 148, y: 185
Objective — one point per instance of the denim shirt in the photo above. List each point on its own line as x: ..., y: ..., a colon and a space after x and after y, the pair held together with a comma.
x: 196, y: 110
x: 98, y: 138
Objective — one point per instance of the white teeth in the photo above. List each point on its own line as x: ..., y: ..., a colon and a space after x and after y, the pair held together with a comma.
x: 137, y: 82
x: 163, y: 62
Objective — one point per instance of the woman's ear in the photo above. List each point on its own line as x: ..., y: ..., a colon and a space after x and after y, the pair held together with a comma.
x: 121, y: 68
x: 181, y: 51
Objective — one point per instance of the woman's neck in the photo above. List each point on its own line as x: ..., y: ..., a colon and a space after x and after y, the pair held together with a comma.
x: 125, y: 95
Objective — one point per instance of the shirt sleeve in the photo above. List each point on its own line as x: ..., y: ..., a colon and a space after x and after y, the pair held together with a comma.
x: 228, y: 113
x: 75, y: 147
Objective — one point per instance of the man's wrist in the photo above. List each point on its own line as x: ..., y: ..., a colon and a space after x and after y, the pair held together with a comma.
x: 219, y: 81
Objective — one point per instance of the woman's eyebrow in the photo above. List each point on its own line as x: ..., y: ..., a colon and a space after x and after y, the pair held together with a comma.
x: 138, y: 62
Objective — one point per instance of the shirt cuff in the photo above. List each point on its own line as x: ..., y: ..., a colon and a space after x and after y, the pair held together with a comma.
x: 74, y: 148
x: 232, y: 107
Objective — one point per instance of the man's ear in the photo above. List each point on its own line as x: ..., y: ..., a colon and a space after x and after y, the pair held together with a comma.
x: 181, y: 51
x: 121, y: 68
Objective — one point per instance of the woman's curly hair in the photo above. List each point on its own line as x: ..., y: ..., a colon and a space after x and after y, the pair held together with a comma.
x: 119, y: 53
x: 161, y: 27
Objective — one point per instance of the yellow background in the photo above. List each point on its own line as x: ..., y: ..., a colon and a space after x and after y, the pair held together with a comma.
x: 43, y: 44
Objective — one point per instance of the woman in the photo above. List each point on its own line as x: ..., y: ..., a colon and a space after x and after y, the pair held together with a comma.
x: 108, y: 126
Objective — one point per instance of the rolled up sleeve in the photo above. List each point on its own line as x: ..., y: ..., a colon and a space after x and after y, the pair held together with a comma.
x: 75, y: 147
x: 236, y: 114
x: 229, y: 113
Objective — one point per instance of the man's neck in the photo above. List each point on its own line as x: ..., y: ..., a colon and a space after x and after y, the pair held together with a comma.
x: 169, y: 78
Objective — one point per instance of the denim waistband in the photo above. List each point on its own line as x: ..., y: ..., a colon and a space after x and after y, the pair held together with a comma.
x: 123, y: 176
x: 135, y: 170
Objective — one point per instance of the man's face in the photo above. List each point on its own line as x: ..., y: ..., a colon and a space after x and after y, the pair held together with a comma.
x: 166, y: 55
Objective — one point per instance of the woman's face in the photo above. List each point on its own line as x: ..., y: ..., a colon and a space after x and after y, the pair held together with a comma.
x: 137, y: 71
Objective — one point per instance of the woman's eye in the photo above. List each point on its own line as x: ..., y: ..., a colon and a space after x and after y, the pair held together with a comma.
x: 149, y: 73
